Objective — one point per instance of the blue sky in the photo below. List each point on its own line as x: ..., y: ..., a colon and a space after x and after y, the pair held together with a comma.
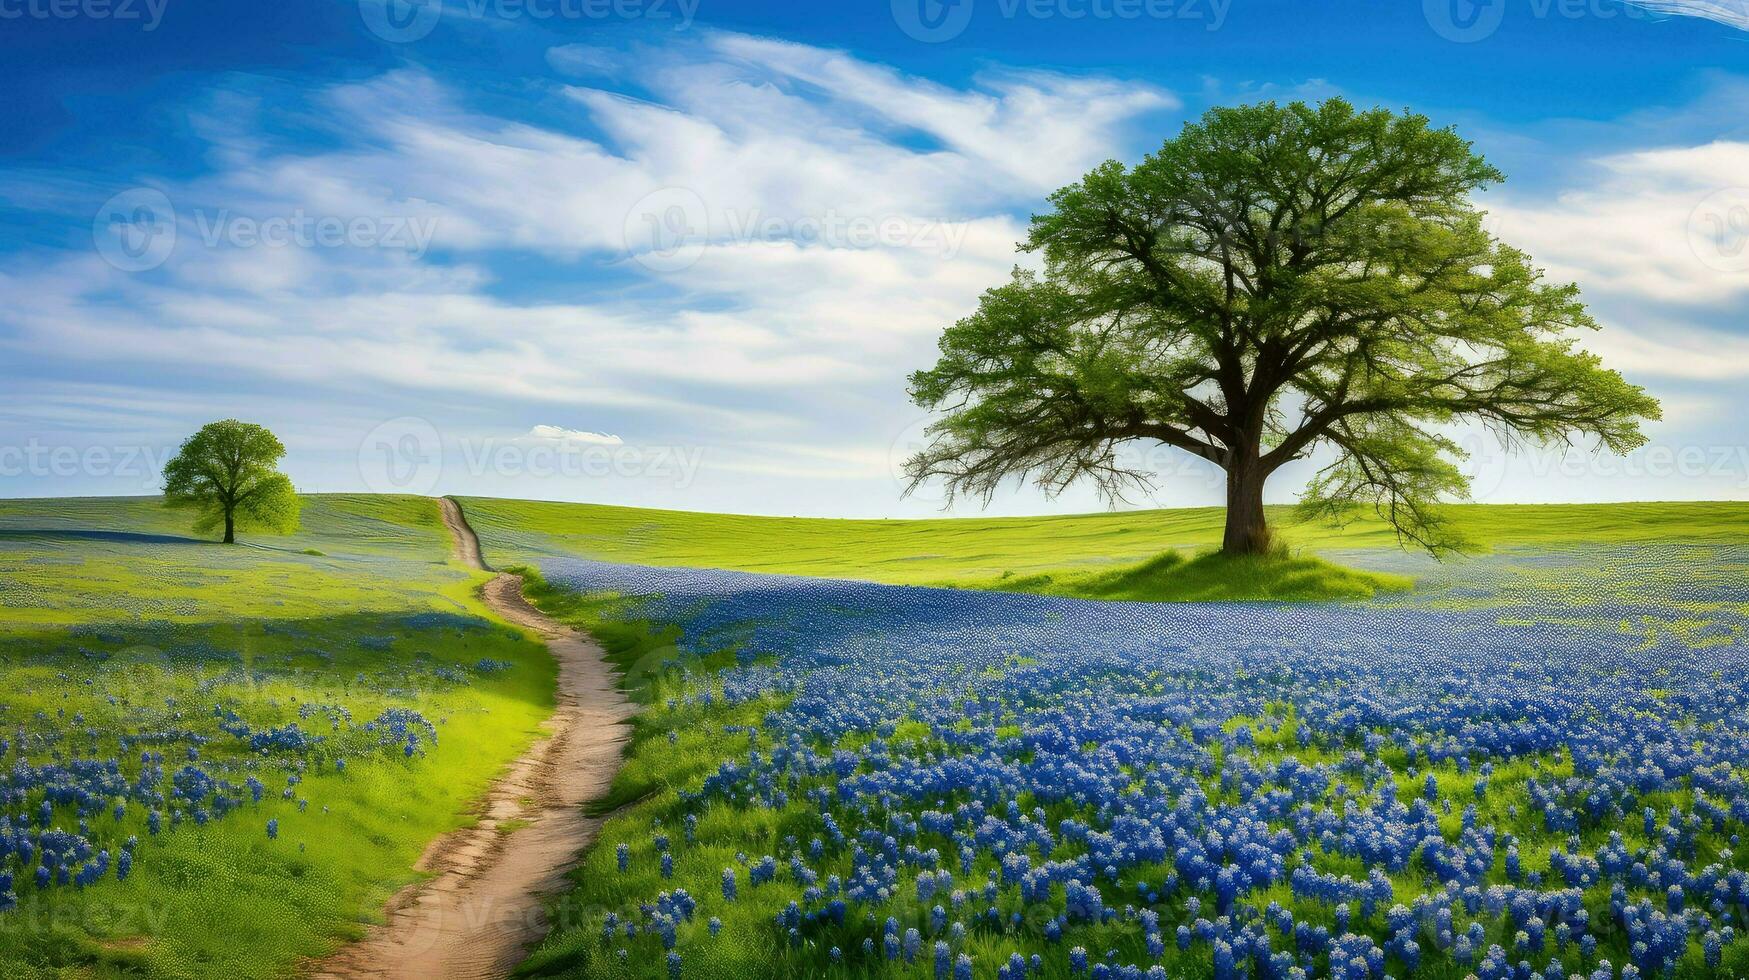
x: 683, y: 253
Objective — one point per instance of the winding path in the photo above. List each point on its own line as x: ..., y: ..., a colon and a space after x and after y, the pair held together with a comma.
x: 484, y: 904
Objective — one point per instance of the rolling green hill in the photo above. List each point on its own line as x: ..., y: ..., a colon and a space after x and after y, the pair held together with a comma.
x: 1110, y: 555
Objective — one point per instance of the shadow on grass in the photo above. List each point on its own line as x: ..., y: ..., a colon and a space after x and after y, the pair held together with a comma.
x: 1208, y: 577
x: 85, y: 534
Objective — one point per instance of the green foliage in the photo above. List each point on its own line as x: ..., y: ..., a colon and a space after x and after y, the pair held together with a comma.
x: 1273, y: 280
x: 226, y: 474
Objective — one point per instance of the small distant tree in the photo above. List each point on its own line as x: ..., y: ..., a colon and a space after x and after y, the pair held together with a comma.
x: 227, y: 474
x: 1275, y: 280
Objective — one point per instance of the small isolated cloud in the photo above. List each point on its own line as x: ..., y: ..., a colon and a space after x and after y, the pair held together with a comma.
x: 576, y: 437
x: 1731, y: 13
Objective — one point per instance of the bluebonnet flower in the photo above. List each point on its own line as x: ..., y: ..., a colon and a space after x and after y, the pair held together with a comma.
x: 1234, y: 755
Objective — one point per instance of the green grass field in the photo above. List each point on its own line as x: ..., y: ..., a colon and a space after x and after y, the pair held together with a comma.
x: 1108, y: 556
x: 1568, y: 566
x: 113, y: 622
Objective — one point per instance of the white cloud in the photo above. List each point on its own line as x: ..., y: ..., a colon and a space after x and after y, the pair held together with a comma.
x: 767, y: 325
x: 1666, y: 351
x: 1669, y: 224
x: 1002, y: 126
x: 579, y: 437
x: 786, y: 353
x: 1731, y: 13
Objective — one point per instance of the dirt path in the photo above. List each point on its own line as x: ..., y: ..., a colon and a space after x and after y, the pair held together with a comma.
x: 465, y: 543
x: 483, y: 907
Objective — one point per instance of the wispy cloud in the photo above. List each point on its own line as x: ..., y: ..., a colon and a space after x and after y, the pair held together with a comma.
x: 729, y: 241
x: 1669, y: 351
x: 1669, y: 224
x: 845, y: 212
x: 1732, y: 13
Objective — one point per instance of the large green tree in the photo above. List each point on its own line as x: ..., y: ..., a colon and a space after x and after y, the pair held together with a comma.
x: 227, y: 474
x: 1274, y: 280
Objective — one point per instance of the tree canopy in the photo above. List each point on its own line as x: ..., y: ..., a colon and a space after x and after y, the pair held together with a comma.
x: 227, y: 474
x: 1275, y: 280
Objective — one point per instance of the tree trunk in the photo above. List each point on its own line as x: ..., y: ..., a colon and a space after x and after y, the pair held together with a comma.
x: 1247, y: 530
x: 230, y: 527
